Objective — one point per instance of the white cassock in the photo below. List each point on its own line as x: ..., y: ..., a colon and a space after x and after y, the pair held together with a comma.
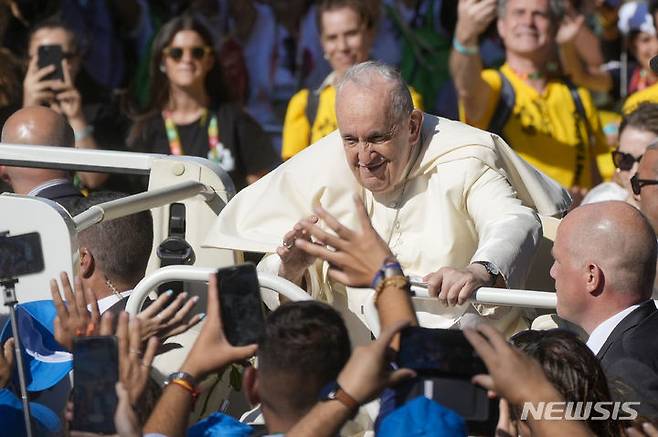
x: 467, y: 197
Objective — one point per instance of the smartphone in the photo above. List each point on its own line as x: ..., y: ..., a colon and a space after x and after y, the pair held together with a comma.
x: 51, y: 55
x: 20, y: 255
x: 242, y: 307
x: 439, y: 352
x: 95, y: 374
x: 445, y: 362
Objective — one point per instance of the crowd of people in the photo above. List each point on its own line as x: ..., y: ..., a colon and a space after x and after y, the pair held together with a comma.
x: 372, y: 143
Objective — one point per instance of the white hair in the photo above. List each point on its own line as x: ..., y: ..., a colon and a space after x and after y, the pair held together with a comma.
x: 362, y: 74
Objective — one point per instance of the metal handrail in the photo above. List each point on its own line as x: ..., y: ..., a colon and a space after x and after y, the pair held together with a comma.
x: 97, y: 160
x: 141, y: 202
x: 200, y: 274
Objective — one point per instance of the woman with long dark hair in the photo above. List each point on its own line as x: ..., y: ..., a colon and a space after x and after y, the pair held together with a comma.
x: 190, y: 111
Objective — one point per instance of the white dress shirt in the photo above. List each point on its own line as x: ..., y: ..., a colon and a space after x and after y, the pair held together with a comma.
x: 108, y: 301
x: 601, y: 333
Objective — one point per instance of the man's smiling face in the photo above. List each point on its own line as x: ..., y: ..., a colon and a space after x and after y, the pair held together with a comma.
x: 377, y: 146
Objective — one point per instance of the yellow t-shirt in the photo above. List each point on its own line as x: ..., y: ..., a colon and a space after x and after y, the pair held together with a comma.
x: 543, y: 128
x: 649, y: 94
x: 297, y: 132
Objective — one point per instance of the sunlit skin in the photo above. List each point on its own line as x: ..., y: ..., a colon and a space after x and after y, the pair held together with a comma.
x: 567, y: 271
x: 526, y: 28
x: 345, y: 40
x: 376, y: 147
x: 635, y: 142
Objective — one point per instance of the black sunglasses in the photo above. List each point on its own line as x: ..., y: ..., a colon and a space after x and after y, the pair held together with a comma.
x: 624, y: 161
x: 176, y: 53
x: 637, y: 183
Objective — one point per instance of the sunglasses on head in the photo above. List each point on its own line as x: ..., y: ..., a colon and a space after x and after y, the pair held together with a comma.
x: 637, y: 183
x: 176, y: 53
x: 624, y: 161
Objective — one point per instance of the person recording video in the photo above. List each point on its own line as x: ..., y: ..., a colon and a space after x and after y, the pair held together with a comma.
x: 55, y: 79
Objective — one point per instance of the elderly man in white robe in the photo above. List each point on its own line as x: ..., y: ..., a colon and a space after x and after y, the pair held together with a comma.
x: 456, y: 206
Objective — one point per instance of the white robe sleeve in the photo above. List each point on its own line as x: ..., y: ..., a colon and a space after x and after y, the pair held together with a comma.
x: 508, y: 232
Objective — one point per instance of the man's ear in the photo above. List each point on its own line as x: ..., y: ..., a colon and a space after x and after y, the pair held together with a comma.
x: 595, y: 279
x: 415, y: 125
x: 87, y: 263
x: 250, y: 385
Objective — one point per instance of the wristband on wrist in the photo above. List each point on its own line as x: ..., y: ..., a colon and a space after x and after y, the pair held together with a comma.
x: 398, y: 281
x: 464, y: 50
x: 185, y: 381
x: 390, y: 267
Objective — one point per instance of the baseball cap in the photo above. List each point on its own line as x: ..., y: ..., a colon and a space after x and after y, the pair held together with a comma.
x: 46, y: 361
x: 11, y: 416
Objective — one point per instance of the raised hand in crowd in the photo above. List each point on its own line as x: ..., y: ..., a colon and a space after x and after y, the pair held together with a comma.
x: 68, y: 101
x: 364, y: 376
x: 36, y: 90
x: 6, y: 362
x: 518, y: 378
x: 474, y: 18
x: 210, y: 353
x: 79, y: 317
x: 134, y: 367
x: 295, y: 261
x: 125, y: 419
x: 355, y: 256
x: 164, y: 319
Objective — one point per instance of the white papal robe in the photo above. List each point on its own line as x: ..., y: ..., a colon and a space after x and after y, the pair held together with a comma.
x: 467, y: 197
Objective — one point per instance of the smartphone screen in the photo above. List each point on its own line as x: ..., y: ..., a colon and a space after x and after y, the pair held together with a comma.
x: 445, y: 362
x: 443, y: 352
x: 20, y: 255
x: 95, y: 374
x: 242, y: 309
x: 51, y: 55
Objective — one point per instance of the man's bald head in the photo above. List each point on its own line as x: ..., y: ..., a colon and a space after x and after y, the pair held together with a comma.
x: 616, y: 237
x: 38, y: 125
x: 35, y: 125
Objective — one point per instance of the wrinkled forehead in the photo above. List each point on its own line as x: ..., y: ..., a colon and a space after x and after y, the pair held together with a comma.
x: 363, y: 105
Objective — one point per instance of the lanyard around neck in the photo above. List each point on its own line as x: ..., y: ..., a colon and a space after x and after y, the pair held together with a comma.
x: 175, y: 146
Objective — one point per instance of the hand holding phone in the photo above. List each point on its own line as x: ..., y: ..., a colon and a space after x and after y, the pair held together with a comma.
x: 241, y: 304
x: 51, y: 55
x: 211, y: 351
x: 95, y: 374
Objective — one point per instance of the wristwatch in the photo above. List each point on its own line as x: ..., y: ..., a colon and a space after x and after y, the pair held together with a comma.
x: 334, y: 392
x: 491, y: 269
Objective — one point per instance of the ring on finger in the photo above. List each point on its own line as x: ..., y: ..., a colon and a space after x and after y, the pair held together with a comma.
x: 289, y: 244
x: 135, y: 351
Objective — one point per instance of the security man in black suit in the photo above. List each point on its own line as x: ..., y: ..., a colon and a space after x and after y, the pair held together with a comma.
x: 605, y: 264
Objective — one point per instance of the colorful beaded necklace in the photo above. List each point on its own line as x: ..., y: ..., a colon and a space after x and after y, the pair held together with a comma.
x: 175, y: 145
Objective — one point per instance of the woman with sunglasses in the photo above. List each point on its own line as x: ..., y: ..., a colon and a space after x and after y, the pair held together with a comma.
x: 190, y: 111
x: 637, y: 130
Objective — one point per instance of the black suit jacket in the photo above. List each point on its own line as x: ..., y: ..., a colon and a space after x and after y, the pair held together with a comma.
x: 629, y: 358
x: 65, y: 194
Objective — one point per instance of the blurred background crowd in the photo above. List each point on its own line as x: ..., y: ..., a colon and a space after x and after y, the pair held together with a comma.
x: 249, y: 83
